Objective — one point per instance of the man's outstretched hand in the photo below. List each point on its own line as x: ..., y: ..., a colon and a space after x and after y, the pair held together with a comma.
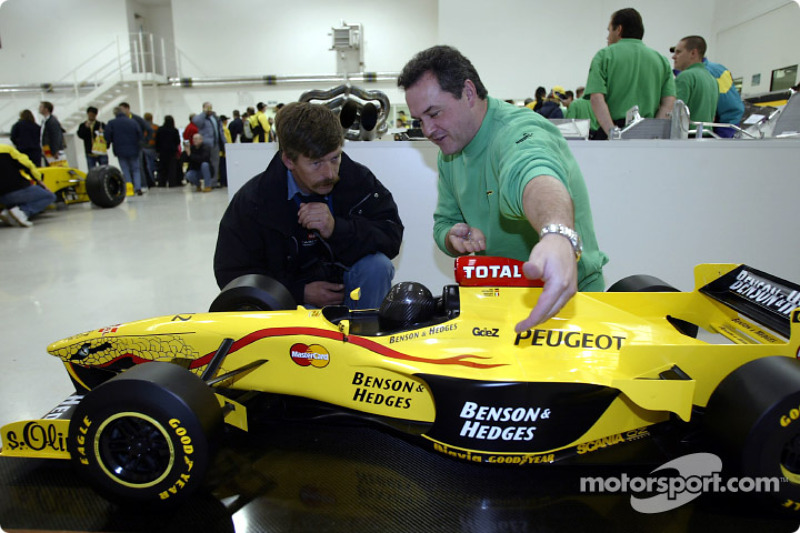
x: 553, y: 261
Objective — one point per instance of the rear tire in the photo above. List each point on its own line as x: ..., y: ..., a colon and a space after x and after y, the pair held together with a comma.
x: 105, y: 186
x: 253, y: 292
x: 146, y: 435
x: 647, y: 283
x: 641, y: 283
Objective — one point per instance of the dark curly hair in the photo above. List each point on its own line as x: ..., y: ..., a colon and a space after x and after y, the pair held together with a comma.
x: 449, y: 66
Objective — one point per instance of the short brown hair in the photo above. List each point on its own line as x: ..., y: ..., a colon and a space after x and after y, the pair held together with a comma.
x: 695, y: 42
x: 307, y: 129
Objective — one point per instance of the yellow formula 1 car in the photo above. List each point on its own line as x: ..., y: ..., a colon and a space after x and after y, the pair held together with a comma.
x: 104, y: 186
x: 609, y: 368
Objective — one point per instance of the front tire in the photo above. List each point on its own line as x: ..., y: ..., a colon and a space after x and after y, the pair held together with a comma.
x: 105, y: 186
x: 146, y: 435
x: 754, y: 418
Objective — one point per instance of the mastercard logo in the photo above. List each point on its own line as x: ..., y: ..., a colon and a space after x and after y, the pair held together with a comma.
x: 310, y: 355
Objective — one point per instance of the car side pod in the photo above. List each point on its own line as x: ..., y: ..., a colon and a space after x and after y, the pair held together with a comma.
x: 753, y: 419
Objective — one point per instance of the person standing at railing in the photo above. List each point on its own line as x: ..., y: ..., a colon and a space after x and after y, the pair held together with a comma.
x: 25, y: 136
x: 94, y: 143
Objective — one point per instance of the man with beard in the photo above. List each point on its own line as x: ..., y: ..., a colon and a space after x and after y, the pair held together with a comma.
x: 314, y: 220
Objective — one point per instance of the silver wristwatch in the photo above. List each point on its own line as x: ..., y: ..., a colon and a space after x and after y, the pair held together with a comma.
x: 569, y: 233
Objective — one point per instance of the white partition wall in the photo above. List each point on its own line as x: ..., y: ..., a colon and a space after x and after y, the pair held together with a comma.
x: 660, y: 207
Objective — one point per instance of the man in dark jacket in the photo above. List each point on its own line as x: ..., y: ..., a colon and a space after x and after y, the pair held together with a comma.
x: 236, y: 127
x: 199, y: 164
x: 124, y: 135
x: 315, y: 220
x: 52, y: 135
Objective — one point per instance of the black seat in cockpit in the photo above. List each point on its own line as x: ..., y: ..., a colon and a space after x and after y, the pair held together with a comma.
x: 449, y: 304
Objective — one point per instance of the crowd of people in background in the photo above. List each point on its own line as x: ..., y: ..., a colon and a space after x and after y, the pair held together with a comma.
x: 627, y: 73
x: 624, y: 74
x: 149, y: 154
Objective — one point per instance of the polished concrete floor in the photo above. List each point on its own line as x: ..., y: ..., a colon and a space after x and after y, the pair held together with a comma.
x: 87, y: 267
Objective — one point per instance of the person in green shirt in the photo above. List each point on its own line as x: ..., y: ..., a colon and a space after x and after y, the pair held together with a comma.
x: 695, y: 85
x: 627, y: 73
x: 582, y: 108
x: 508, y: 184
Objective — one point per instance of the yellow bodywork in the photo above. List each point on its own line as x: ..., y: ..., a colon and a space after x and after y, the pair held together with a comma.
x: 615, y: 341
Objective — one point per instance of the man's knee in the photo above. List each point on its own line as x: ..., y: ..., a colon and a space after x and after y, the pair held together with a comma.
x: 377, y: 264
x: 373, y: 274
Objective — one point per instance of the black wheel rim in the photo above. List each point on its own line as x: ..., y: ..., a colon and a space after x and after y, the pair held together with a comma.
x: 790, y: 460
x: 116, y: 188
x: 134, y: 450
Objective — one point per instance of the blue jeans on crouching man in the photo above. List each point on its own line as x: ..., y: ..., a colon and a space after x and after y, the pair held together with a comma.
x: 373, y: 274
x: 193, y: 176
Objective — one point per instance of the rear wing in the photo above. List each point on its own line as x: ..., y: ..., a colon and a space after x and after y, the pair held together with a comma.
x: 759, y: 296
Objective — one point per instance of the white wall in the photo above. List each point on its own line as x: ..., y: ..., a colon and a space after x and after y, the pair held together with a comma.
x: 757, y: 38
x: 270, y: 37
x: 659, y: 207
x: 43, y: 40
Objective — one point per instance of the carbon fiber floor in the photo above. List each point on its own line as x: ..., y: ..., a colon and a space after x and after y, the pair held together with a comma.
x: 324, y: 478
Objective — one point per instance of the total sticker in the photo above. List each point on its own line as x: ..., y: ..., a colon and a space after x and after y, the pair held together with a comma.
x: 310, y: 355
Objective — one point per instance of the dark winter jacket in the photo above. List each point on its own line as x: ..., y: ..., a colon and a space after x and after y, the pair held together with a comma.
x: 124, y: 135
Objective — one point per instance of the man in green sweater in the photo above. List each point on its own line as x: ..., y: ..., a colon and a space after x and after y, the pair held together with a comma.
x: 508, y: 184
x: 695, y: 85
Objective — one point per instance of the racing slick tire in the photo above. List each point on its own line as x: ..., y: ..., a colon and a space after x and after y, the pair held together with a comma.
x: 753, y: 419
x: 146, y: 435
x: 647, y: 283
x: 105, y: 186
x: 641, y: 283
x: 253, y: 292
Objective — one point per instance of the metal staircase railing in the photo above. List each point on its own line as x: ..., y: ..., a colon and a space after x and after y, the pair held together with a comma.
x: 97, y: 80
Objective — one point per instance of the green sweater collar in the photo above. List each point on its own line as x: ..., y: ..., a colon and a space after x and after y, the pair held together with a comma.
x: 481, y: 140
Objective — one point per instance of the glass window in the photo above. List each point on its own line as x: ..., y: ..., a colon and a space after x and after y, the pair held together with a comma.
x: 783, y: 78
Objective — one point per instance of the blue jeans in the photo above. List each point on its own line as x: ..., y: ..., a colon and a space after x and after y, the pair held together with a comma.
x: 374, y: 274
x: 725, y: 133
x: 149, y: 166
x: 130, y: 169
x: 193, y: 176
x: 94, y: 160
x: 31, y: 200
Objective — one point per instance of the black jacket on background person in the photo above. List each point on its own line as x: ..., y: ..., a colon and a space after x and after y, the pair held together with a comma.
x: 258, y: 233
x: 26, y: 137
x: 236, y: 127
x: 199, y: 155
x: 88, y: 136
x: 53, y: 135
